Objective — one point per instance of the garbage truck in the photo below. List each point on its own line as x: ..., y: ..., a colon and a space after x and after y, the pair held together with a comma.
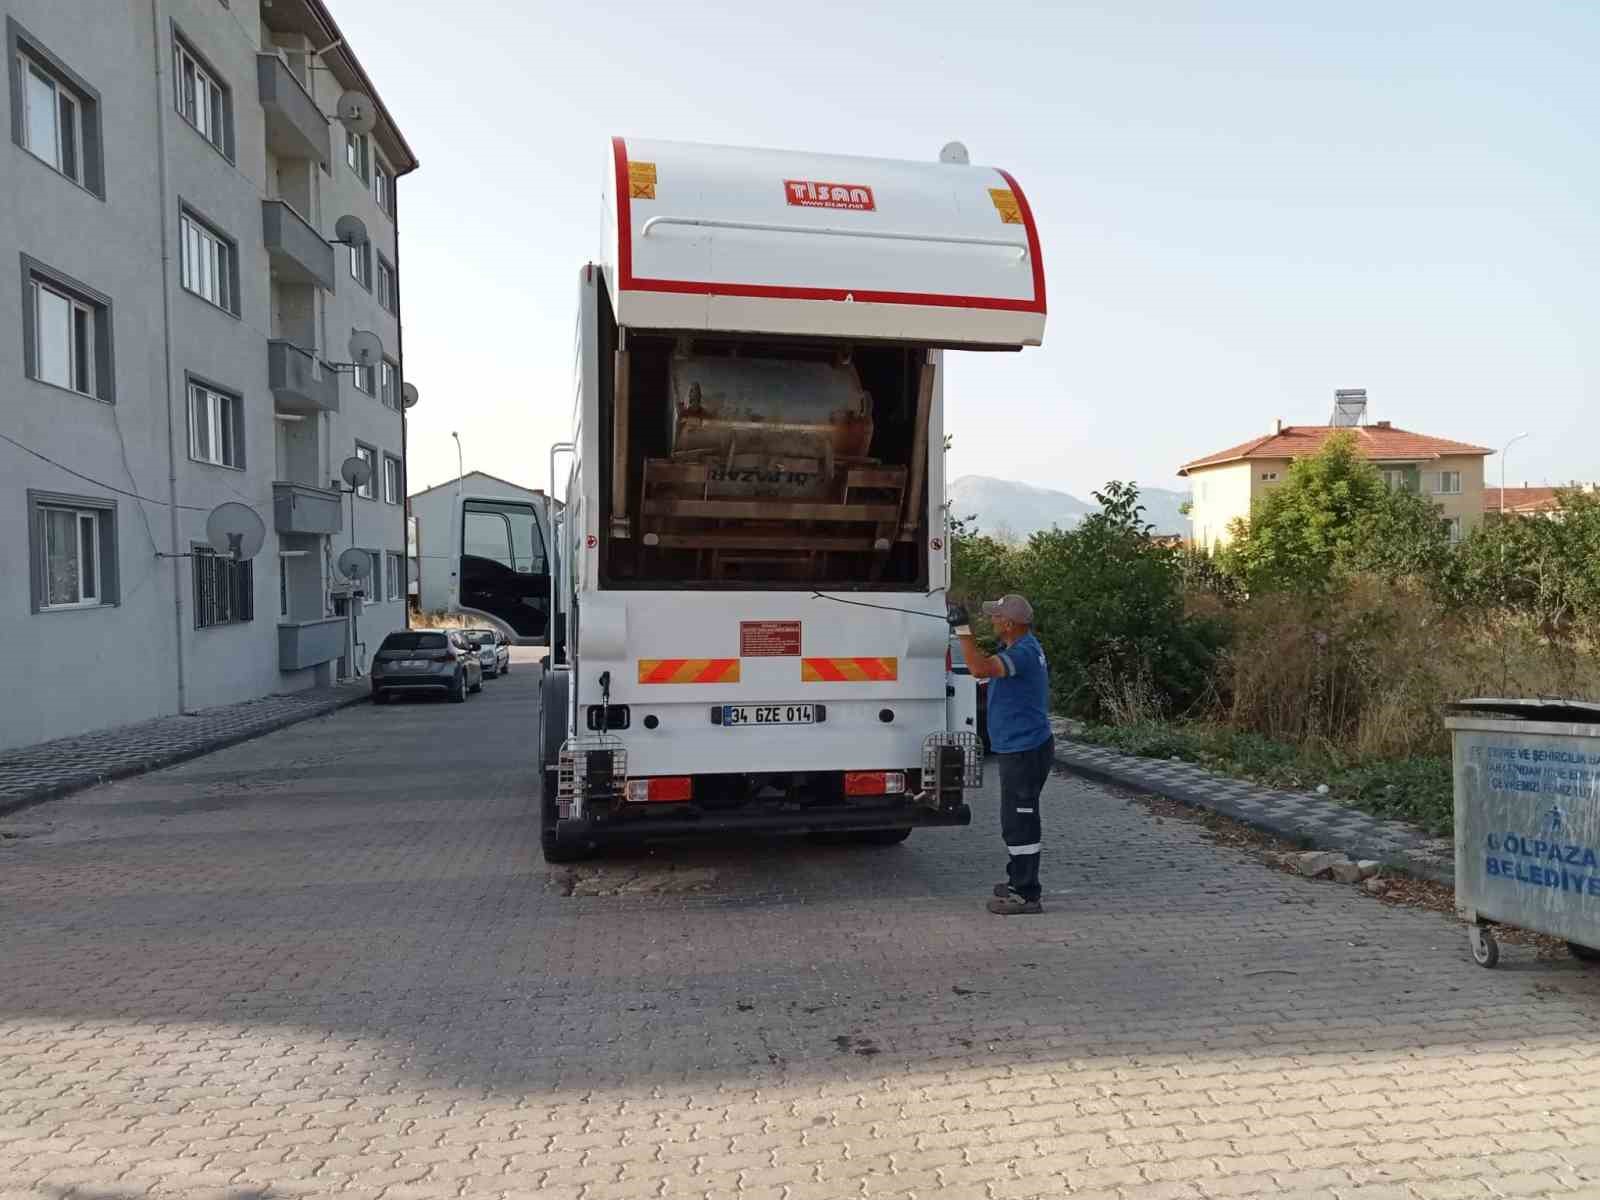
x: 754, y: 550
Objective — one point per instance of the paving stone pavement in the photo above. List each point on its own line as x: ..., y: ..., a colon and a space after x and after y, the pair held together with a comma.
x: 30, y: 774
x: 1317, y: 822
x: 329, y: 962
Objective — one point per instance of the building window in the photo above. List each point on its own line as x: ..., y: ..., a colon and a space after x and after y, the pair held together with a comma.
x: 383, y: 186
x: 1269, y: 477
x: 389, y: 384
x: 210, y: 262
x: 395, y: 575
x: 216, y: 427
x: 363, y: 377
x: 1398, y: 480
x: 391, y: 479
x: 361, y: 264
x: 388, y: 295
x: 1449, y: 483
x: 202, y: 100
x: 72, y: 543
x: 369, y: 456
x: 66, y: 338
x: 1453, y: 527
x: 224, y: 590
x: 356, y: 152
x: 55, y: 115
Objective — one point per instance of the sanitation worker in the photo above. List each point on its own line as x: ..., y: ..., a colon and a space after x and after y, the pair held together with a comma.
x: 1019, y: 731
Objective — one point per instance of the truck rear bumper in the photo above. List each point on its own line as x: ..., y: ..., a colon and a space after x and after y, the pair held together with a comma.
x: 809, y: 820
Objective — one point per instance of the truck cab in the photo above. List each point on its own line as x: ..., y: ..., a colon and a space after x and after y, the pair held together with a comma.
x: 755, y: 548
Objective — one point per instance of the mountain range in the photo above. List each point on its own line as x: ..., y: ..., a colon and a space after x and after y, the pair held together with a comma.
x: 1010, y: 509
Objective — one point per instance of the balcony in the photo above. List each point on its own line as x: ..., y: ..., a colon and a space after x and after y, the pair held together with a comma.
x: 298, y: 252
x: 303, y: 644
x: 301, y: 508
x: 299, y: 383
x: 296, y: 127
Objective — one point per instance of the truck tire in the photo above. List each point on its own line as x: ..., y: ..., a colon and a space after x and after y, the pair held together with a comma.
x: 552, y: 732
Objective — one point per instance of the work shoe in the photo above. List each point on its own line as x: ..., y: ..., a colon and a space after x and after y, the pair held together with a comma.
x: 1002, y: 890
x: 1013, y: 905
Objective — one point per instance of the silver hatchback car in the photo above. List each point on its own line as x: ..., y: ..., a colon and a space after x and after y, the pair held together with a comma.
x: 494, y: 649
x: 426, y: 660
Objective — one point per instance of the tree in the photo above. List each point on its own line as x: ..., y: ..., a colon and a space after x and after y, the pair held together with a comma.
x: 1335, y: 515
x: 1546, y: 566
x: 1110, y: 612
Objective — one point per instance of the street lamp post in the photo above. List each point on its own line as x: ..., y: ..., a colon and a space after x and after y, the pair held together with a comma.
x: 455, y: 533
x: 1505, y: 450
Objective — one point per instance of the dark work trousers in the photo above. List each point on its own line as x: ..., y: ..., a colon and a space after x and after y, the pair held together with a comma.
x: 1022, y: 779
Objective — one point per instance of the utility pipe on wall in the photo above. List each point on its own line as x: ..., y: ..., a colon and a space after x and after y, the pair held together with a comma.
x: 156, y: 44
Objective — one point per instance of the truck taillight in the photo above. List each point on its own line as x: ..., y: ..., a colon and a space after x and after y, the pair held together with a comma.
x: 874, y: 783
x: 661, y: 789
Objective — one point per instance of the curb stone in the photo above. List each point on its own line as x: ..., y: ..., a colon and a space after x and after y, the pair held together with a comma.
x: 1309, y: 821
x: 31, y: 775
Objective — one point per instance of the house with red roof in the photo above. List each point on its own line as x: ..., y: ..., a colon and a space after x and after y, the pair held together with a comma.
x: 1227, y: 483
x: 1528, y: 501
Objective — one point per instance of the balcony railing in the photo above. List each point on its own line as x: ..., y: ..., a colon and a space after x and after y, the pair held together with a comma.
x: 303, y: 644
x: 296, y: 127
x: 301, y: 508
x: 298, y: 252
x: 299, y: 382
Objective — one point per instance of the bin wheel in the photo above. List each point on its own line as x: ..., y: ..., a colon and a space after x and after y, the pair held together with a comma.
x: 1584, y: 954
x: 1485, y: 950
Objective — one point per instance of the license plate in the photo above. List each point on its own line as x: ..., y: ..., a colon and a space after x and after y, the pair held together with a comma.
x: 413, y: 664
x: 769, y: 714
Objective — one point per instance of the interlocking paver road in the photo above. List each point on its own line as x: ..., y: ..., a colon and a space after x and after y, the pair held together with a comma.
x: 330, y: 962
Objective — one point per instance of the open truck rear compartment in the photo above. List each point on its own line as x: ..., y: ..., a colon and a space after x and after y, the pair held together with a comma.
x: 753, y: 554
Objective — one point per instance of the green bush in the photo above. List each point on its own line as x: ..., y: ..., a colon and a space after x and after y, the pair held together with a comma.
x: 1109, y: 608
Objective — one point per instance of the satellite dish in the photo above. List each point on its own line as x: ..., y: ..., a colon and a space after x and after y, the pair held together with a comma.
x: 409, y: 395
x: 357, y: 112
x: 236, y: 530
x: 354, y: 564
x: 350, y: 230
x: 954, y: 152
x: 357, y: 472
x: 366, y: 348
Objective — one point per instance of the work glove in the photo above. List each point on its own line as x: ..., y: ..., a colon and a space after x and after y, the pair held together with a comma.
x: 959, y: 620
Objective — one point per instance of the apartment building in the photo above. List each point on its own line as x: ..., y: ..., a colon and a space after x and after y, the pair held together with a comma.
x: 169, y: 197
x: 1226, y: 484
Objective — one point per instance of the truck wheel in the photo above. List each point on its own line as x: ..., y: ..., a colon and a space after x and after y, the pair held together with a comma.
x: 1584, y: 954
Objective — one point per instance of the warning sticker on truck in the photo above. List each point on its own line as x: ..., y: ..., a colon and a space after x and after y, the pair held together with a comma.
x: 1005, y: 203
x: 813, y: 193
x: 642, y: 180
x: 769, y: 639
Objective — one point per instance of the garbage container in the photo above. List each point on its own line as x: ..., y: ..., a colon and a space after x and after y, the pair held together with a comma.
x: 1527, y: 810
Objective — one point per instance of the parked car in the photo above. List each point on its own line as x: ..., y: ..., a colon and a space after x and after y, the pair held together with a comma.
x: 426, y: 660
x: 958, y: 666
x: 494, y: 650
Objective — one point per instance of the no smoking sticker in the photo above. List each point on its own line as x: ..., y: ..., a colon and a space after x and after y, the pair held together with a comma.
x: 642, y: 180
x: 1005, y: 203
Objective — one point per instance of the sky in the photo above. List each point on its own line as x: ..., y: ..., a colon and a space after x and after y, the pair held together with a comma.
x: 1242, y: 206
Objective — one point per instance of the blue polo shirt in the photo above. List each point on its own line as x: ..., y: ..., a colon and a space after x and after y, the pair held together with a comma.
x: 1019, y: 700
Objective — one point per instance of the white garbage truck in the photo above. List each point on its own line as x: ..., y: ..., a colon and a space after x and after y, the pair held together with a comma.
x: 754, y: 552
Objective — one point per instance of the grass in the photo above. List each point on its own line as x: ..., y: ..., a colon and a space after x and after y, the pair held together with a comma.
x: 1419, y: 789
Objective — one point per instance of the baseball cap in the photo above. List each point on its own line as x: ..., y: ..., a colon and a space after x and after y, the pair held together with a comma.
x: 1011, y: 607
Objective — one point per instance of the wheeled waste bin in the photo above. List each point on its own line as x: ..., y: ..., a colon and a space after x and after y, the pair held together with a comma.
x: 1527, y: 814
